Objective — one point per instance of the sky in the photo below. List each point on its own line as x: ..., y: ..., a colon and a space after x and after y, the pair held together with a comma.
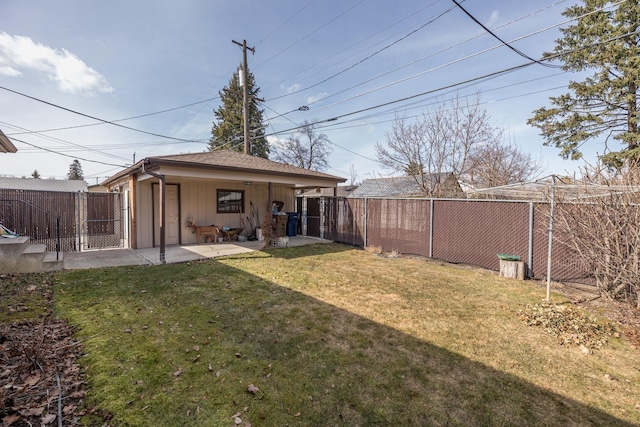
x: 110, y: 82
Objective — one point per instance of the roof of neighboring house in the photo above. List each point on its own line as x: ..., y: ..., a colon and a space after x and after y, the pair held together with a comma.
x: 400, y: 186
x: 60, y: 185
x: 226, y: 160
x: 6, y: 146
x: 342, y: 191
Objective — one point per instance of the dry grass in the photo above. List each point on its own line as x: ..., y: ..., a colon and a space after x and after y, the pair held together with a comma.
x: 332, y: 335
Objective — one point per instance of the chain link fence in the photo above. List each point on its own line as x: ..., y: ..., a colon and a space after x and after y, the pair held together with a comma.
x: 86, y: 220
x: 460, y: 231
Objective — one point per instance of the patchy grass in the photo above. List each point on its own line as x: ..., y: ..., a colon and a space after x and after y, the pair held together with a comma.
x: 330, y: 335
x: 24, y: 297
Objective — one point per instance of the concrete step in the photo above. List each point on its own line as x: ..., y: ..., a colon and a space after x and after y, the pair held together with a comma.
x: 52, y: 262
x: 10, y: 251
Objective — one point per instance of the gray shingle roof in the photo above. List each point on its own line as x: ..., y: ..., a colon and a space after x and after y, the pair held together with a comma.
x: 233, y: 159
x: 59, y: 185
x: 230, y: 161
x: 401, y: 186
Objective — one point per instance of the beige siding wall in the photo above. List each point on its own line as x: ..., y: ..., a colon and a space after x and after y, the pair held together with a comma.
x: 145, y: 217
x: 198, y: 203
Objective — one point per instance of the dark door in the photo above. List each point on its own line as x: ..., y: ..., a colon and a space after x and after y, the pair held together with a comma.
x: 313, y: 216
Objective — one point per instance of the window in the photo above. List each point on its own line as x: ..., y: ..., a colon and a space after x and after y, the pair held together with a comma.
x: 230, y: 201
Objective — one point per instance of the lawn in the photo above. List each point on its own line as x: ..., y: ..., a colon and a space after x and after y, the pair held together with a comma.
x: 331, y: 335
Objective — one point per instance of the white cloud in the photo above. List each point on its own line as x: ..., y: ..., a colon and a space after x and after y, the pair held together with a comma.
x: 495, y: 15
x: 293, y: 88
x: 314, y: 98
x: 9, y: 71
x: 59, y: 65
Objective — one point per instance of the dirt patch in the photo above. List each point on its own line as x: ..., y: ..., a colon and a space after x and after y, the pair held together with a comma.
x: 41, y: 380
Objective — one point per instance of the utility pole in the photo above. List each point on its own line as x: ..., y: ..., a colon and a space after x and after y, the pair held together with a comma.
x: 245, y: 92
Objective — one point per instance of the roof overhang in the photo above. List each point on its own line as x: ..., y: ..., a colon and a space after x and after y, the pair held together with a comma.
x: 6, y: 146
x: 199, y: 171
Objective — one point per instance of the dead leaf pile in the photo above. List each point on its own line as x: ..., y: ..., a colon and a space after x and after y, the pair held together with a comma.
x: 38, y: 372
x: 569, y: 325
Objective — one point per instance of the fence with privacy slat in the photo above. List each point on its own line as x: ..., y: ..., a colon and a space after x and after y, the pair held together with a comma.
x: 461, y: 231
x: 86, y: 220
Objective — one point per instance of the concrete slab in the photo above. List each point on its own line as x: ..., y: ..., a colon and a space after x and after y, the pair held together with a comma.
x: 173, y: 254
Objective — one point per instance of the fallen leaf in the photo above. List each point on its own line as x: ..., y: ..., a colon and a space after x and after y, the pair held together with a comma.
x: 69, y: 409
x: 252, y: 389
x: 32, y: 380
x: 297, y: 414
x: 127, y: 331
x: 195, y: 359
x: 237, y: 420
x: 177, y: 373
x: 35, y: 411
x: 210, y: 367
x: 236, y: 415
x: 48, y: 419
x: 238, y: 355
x: 31, y: 288
x: 10, y: 419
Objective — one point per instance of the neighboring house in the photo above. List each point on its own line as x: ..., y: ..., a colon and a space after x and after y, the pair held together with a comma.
x: 340, y: 191
x: 222, y: 188
x: 33, y: 184
x: 6, y: 146
x: 408, y: 186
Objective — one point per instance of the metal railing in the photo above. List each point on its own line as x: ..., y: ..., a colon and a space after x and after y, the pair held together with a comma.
x: 27, y: 219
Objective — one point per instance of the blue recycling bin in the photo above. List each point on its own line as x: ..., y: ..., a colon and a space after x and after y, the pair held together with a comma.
x: 292, y: 223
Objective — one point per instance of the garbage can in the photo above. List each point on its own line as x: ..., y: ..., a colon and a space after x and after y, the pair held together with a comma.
x: 292, y: 223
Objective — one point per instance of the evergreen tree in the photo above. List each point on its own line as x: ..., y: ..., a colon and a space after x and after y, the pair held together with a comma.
x: 227, y: 132
x: 603, y: 38
x: 75, y: 171
x: 35, y: 174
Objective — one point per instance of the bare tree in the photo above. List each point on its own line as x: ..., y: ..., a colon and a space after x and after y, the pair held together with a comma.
x: 306, y: 149
x: 439, y: 143
x: 353, y: 175
x: 501, y: 163
x: 604, y: 232
x: 456, y: 138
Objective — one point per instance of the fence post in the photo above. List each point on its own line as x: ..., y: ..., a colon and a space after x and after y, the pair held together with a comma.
x: 530, y: 254
x: 78, y: 222
x: 57, y: 238
x: 431, y: 230
x: 366, y: 206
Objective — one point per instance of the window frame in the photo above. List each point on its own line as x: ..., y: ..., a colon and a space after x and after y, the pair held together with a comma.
x: 232, y: 202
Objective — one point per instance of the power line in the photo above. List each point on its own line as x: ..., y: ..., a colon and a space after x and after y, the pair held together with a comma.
x: 310, y: 34
x: 93, y: 117
x: 431, y: 21
x: 121, y: 120
x: 464, y: 82
x: 78, y: 146
x: 502, y: 41
x: 66, y: 155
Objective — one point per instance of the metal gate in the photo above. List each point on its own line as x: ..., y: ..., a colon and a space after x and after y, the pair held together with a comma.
x: 103, y: 224
x: 313, y: 216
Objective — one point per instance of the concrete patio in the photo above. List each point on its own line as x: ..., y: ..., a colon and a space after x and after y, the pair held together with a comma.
x: 173, y: 254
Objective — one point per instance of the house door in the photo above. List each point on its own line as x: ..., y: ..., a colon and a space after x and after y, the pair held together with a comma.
x: 172, y: 215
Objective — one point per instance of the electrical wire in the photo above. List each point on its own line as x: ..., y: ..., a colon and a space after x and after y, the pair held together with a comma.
x: 310, y: 34
x: 519, y: 52
x: 66, y: 155
x: 421, y: 27
x: 120, y: 120
x: 92, y: 117
x: 78, y: 146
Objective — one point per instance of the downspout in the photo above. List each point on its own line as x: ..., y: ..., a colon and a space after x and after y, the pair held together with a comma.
x: 146, y: 163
